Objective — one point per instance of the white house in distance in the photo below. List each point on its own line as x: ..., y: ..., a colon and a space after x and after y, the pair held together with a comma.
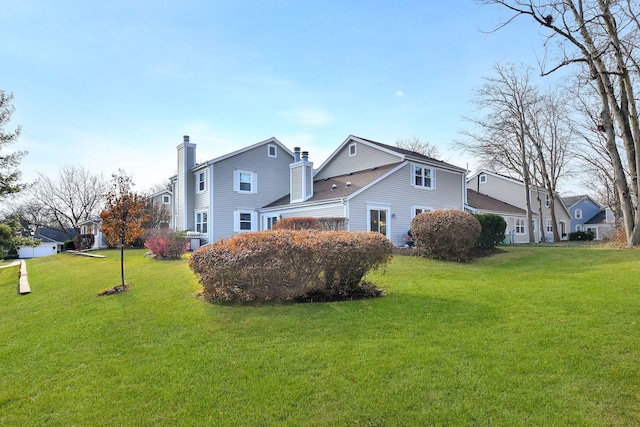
x: 373, y: 186
x: 511, y: 192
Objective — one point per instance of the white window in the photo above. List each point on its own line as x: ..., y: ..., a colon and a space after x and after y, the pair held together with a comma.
x: 352, y: 150
x: 244, y: 221
x: 245, y: 182
x: 422, y: 177
x: 417, y: 210
x: 578, y: 213
x: 200, y: 182
x: 547, y: 203
x: 520, y: 225
x: 201, y: 221
x: 272, y: 150
x: 165, y: 200
x: 483, y: 179
x: 549, y: 225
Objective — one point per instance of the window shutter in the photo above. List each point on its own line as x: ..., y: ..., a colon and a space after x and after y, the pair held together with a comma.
x: 236, y: 221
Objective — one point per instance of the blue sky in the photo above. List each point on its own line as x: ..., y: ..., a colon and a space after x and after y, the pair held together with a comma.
x: 109, y: 85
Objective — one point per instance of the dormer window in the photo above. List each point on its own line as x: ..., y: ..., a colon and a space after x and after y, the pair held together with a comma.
x: 352, y: 149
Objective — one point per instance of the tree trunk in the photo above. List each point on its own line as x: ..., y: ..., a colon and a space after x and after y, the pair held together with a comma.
x: 122, y: 262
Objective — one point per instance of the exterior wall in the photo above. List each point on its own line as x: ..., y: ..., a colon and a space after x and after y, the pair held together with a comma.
x: 396, y: 194
x: 589, y: 210
x: 512, y: 192
x: 272, y: 183
x: 45, y: 249
x: 331, y: 209
x: 185, y: 186
x: 366, y: 158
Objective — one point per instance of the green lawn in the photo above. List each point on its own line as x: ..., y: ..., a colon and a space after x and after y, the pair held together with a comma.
x: 531, y: 337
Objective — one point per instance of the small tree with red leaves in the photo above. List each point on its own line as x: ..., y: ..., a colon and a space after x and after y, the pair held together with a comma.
x: 123, y: 216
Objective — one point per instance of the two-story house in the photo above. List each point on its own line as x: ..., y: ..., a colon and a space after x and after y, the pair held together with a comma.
x: 374, y: 186
x: 588, y: 215
x: 512, y: 192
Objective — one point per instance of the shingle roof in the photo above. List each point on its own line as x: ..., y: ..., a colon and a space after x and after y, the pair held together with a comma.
x: 487, y: 203
x: 598, y: 218
x: 324, y: 190
x: 55, y: 235
x: 572, y: 200
x: 409, y: 153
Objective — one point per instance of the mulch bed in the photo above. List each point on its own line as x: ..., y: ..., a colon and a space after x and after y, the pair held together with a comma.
x: 115, y: 290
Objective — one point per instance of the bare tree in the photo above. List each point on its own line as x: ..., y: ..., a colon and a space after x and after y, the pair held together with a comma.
x: 500, y: 141
x: 416, y: 145
x: 62, y: 202
x: 549, y: 133
x: 600, y: 38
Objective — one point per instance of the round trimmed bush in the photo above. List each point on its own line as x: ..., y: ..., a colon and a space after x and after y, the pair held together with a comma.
x: 447, y: 235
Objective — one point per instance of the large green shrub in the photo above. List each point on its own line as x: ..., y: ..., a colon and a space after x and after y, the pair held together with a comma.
x: 493, y: 228
x: 281, y: 265
x: 447, y: 235
x: 582, y: 235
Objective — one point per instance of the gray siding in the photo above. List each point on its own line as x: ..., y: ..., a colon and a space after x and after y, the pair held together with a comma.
x: 396, y: 192
x: 366, y: 158
x: 296, y: 182
x: 334, y: 210
x: 272, y: 183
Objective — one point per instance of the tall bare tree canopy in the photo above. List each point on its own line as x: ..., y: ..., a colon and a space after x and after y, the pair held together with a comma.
x: 417, y: 145
x: 62, y: 201
x: 599, y: 38
x: 9, y: 174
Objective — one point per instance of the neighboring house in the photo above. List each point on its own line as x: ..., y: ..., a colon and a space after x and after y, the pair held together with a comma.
x: 374, y: 186
x: 511, y: 191
x: 93, y: 226
x: 163, y: 206
x: 588, y: 215
x: 52, y: 242
x: 514, y: 216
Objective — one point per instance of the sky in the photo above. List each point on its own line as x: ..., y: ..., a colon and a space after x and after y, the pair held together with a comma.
x: 115, y: 85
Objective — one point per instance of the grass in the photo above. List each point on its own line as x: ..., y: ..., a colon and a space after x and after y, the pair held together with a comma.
x: 533, y: 336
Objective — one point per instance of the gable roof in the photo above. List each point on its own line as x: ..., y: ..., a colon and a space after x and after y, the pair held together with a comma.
x: 324, y: 190
x: 401, y: 153
x: 486, y: 203
x: 272, y: 140
x: 570, y: 201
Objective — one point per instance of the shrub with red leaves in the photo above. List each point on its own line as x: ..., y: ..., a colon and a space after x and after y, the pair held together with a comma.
x: 165, y: 243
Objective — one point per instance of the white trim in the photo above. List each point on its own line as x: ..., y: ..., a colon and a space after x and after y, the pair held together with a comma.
x: 423, y: 208
x: 275, y: 150
x: 236, y: 181
x: 251, y: 147
x: 355, y: 149
x: 197, y: 180
x: 431, y: 177
x: 379, y: 207
x: 204, y: 220
x: 237, y: 221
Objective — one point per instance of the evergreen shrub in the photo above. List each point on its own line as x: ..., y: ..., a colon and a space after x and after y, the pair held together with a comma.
x: 284, y: 265
x: 492, y: 232
x: 447, y: 235
x: 581, y: 235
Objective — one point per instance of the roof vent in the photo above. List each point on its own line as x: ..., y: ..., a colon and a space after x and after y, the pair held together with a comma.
x: 348, y: 184
x: 334, y: 186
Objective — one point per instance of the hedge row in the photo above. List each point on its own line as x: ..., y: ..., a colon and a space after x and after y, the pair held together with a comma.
x: 493, y: 229
x: 282, y: 265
